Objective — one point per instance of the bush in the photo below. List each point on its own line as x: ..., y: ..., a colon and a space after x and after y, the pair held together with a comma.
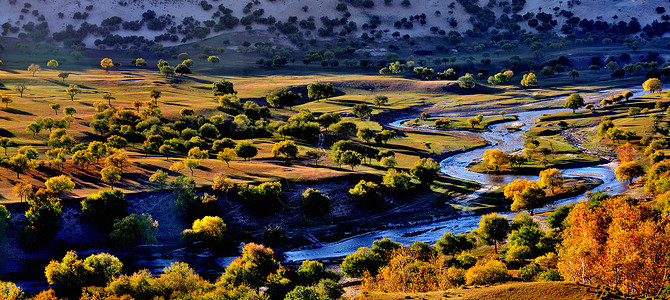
x: 208, y: 229
x: 330, y: 289
x: 260, y: 198
x: 529, y: 272
x: 466, y: 260
x: 487, y: 272
x: 361, y: 262
x: 400, y: 182
x: 133, y: 230
x: 104, y: 207
x: 315, y: 203
x: 550, y: 275
x: 302, y: 293
x: 365, y: 193
x: 10, y: 291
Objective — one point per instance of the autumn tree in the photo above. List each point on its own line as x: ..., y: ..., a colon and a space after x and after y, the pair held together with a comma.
x: 287, y: 149
x: 22, y: 189
x: 529, y: 80
x: 653, y: 85
x: 5, y: 100
x: 380, y: 100
x: 106, y: 63
x: 628, y: 171
x: 60, y: 184
x: 551, y: 178
x: 363, y: 111
x: 252, y: 268
x: 21, y: 163
x: 34, y: 69
x: 109, y: 98
x: 526, y: 195
x: 426, y: 170
x: 160, y: 177
x: 72, y: 91
x: 69, y: 273
x: 493, y: 229
x: 496, y: 159
x: 53, y: 64
x: 111, y: 175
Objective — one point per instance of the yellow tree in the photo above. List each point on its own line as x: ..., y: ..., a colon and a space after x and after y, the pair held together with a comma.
x: 110, y: 174
x: 22, y: 189
x: 34, y: 69
x: 526, y: 195
x: 626, y: 153
x: 551, y: 178
x: 496, y: 159
x: 628, y: 171
x: 106, y: 63
x: 72, y: 90
x: 653, y: 85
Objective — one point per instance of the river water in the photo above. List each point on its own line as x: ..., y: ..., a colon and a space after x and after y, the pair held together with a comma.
x: 456, y: 166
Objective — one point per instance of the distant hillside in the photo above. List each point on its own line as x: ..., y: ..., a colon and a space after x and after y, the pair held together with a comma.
x: 170, y: 22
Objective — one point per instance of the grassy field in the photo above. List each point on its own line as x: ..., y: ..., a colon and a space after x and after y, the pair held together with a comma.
x: 516, y: 290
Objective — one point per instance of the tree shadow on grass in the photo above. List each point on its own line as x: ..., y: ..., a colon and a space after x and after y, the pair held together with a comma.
x: 17, y: 112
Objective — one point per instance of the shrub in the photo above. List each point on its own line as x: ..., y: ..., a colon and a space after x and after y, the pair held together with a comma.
x: 400, y: 182
x: 315, y: 203
x: 529, y: 272
x: 365, y: 193
x: 330, y: 289
x: 302, y: 293
x: 10, y: 291
x: 550, y: 275
x: 487, y: 272
x: 208, y: 229
x: 466, y: 260
x: 260, y: 198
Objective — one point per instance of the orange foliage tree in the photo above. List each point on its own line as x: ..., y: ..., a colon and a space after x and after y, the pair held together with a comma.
x: 617, y: 243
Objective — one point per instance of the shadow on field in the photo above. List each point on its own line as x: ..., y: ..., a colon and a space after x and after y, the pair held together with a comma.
x: 17, y: 112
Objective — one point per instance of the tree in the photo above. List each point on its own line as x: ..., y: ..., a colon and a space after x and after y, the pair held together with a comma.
x: 575, y: 101
x: 223, y: 87
x: 655, y: 118
x: 381, y: 100
x: 315, y: 203
x: 573, y: 73
x: 70, y: 273
x: 213, y: 59
x: 246, y: 150
x: 627, y: 95
x: 208, y: 229
x: 182, y: 69
x: 166, y: 150
x: 400, y: 182
x: 140, y: 62
x: 105, y: 267
x: 551, y: 178
x: 72, y: 91
x: 467, y: 81
x: 192, y: 164
x: 451, y: 244
x: 103, y: 207
x: 22, y: 189
x: 363, y: 111
x: 21, y: 88
x: 34, y: 69
x: 653, y: 85
x: 320, y: 90
x: 63, y: 75
x: 282, y: 97
x: 137, y: 105
x: 303, y: 293
x: 365, y: 134
x: 384, y: 136
x: 496, y: 159
x: 493, y: 229
x: 227, y: 155
x: 167, y: 71
x: 475, y: 121
x: 251, y: 269
x: 5, y: 143
x: 287, y: 149
x: 20, y: 163
x: 132, y: 230
x: 60, y: 184
x: 361, y: 262
x: 525, y: 195
x: 426, y: 170
x: 106, y: 63
x: 159, y: 176
x: 493, y: 81
x: 53, y: 64
x: 349, y: 158
x: 9, y: 290
x: 628, y: 171
x: 5, y: 100
x: 111, y: 174
x: 529, y: 80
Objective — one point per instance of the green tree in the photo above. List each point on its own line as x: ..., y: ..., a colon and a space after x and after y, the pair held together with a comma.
x: 69, y: 273
x: 227, y: 155
x: 361, y: 262
x: 63, y: 75
x: 365, y: 193
x: 451, y: 244
x: 223, y: 87
x: 104, y: 207
x: 350, y: 158
x: 105, y: 267
x: 69, y: 111
x: 426, y: 170
x: 5, y: 100
x: 21, y: 163
x: 573, y: 73
x: 132, y: 230
x: 252, y: 269
x: 167, y: 71
x: 246, y: 150
x: 282, y: 97
x: 363, y: 111
x: 315, y: 202
x: 53, y: 64
x: 320, y: 90
x: 575, y: 101
x: 493, y: 229
x: 529, y: 80
x: 159, y: 176
x: 381, y: 100
x: 72, y: 91
x: 467, y: 81
x: 213, y: 59
x: 111, y: 175
x: 140, y: 63
x: 33, y: 68
x: 400, y: 182
x: 365, y: 134
x: 208, y: 229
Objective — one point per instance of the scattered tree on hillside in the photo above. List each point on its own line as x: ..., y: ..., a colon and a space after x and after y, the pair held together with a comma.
x: 529, y: 80
x: 282, y: 97
x: 320, y: 90
x: 213, y: 59
x: 467, y: 81
x: 63, y: 75
x: 363, y: 111
x: 574, y: 102
x: 60, y: 184
x: 551, y: 178
x: 106, y: 63
x: 53, y: 64
x: 21, y: 88
x: 111, y: 175
x: 287, y: 149
x: 426, y: 170
x: 223, y: 87
x: 140, y: 62
x: 5, y: 100
x: 628, y: 171
x: 34, y: 69
x: 246, y: 150
x: 653, y: 85
x: 72, y: 91
x: 381, y: 100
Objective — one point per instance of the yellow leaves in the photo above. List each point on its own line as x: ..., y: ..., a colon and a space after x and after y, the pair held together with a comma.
x: 652, y: 84
x: 105, y: 63
x: 496, y: 159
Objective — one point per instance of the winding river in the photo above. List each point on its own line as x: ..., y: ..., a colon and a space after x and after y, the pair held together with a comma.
x: 456, y: 166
